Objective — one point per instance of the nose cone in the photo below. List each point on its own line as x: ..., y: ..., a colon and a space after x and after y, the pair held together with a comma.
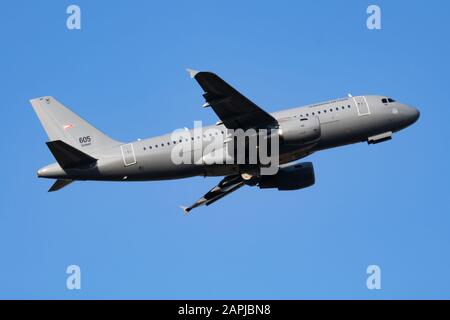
x: 414, y: 115
x: 410, y: 115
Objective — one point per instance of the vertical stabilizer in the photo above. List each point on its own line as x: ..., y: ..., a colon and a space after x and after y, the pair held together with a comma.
x: 62, y: 124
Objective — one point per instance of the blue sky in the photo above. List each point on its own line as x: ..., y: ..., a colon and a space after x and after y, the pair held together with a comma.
x: 124, y: 72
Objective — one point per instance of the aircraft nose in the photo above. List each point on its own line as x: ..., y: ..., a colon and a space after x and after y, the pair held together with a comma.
x: 413, y: 114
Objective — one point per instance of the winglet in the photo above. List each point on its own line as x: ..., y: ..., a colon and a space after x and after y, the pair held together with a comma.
x: 185, y: 209
x: 192, y: 72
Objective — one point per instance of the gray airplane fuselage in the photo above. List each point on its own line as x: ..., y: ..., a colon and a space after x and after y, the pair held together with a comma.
x: 344, y: 121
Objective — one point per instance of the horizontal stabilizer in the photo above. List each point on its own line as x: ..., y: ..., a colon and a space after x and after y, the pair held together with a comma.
x: 68, y: 156
x: 59, y: 184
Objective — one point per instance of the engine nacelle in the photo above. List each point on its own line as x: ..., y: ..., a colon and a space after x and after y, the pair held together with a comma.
x: 298, y: 131
x: 294, y: 177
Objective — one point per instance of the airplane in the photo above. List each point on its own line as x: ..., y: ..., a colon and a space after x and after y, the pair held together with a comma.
x: 82, y: 152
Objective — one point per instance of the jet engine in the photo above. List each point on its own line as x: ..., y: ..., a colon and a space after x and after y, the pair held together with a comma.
x: 294, y: 177
x: 298, y: 131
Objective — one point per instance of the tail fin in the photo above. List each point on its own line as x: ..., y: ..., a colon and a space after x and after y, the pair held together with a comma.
x: 62, y: 124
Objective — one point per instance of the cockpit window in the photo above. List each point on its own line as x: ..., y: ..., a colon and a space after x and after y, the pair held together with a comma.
x: 387, y: 100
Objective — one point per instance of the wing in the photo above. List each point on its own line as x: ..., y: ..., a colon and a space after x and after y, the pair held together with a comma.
x: 225, y: 187
x: 234, y: 110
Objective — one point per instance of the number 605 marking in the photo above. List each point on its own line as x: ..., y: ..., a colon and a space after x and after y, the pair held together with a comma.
x: 86, y: 139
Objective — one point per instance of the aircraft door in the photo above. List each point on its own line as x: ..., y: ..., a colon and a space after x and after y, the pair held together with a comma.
x: 129, y: 158
x: 362, y: 106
